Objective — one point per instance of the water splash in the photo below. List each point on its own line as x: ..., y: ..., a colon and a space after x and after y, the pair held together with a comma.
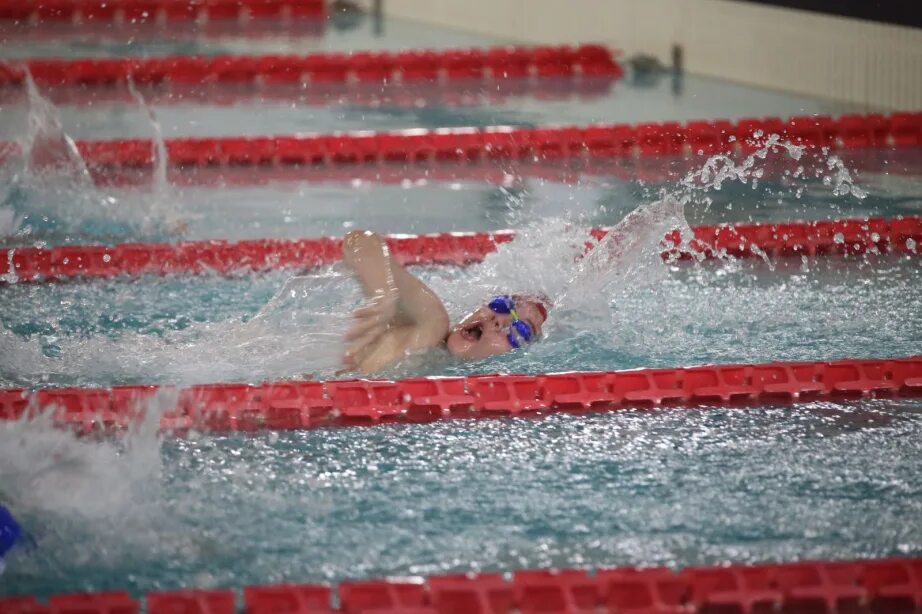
x: 841, y: 180
x: 48, y: 469
x: 720, y: 168
x: 10, y: 277
x: 800, y: 181
x: 50, y: 194
x: 162, y: 205
x: 591, y: 291
x: 10, y: 221
x: 50, y: 153
x: 297, y: 334
x: 51, y: 477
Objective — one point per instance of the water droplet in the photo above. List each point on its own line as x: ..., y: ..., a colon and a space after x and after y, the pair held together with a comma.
x: 106, y: 258
x: 911, y: 245
x: 839, y: 238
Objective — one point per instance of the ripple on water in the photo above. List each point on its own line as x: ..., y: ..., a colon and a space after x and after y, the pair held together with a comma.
x: 673, y: 487
x: 109, y: 332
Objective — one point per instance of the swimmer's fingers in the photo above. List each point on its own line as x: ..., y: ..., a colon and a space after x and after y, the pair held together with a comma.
x: 360, y: 328
x: 360, y: 342
x: 365, y: 321
x: 357, y: 334
x: 367, y: 310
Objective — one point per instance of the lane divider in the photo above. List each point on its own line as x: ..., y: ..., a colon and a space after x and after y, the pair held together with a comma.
x: 363, y: 67
x: 354, y: 402
x: 743, y: 240
x: 143, y: 32
x: 870, y: 585
x: 79, y: 12
x: 505, y: 143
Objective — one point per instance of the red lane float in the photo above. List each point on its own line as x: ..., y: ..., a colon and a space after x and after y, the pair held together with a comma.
x: 310, y: 404
x: 505, y: 143
x: 363, y: 67
x: 876, y: 585
x: 79, y: 12
x: 819, y: 238
x: 18, y: 33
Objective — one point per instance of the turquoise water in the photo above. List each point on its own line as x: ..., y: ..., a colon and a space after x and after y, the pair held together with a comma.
x: 254, y: 204
x: 675, y: 487
x: 338, y: 108
x: 297, y: 208
x: 122, y: 331
x: 672, y: 487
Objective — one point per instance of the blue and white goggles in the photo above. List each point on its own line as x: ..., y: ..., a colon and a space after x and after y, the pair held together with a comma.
x: 519, y: 331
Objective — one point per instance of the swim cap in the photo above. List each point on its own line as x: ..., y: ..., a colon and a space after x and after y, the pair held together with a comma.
x: 542, y: 309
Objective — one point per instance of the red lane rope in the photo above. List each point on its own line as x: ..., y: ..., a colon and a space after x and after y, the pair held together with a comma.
x: 79, y: 12
x: 505, y: 143
x: 830, y: 237
x: 873, y: 585
x: 372, y: 67
x: 310, y: 404
x: 245, y: 29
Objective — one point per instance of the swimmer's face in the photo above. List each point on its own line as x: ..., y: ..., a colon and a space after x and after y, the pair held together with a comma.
x: 485, y: 333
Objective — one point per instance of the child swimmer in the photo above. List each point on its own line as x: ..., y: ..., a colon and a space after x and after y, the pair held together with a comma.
x: 403, y: 316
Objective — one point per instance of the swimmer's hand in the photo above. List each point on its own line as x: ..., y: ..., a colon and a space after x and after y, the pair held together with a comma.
x: 401, y: 316
x: 372, y: 320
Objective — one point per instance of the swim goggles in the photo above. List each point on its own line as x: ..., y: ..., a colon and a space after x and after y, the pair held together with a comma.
x: 519, y: 330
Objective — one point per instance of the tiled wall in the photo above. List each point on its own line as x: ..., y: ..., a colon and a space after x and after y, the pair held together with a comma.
x: 871, y: 64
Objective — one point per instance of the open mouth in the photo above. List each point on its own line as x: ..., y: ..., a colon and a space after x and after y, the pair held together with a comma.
x: 472, y: 332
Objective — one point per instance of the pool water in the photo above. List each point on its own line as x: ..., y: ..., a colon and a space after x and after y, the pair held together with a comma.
x: 671, y: 487
x: 479, y: 104
x: 46, y: 209
x: 202, y: 330
x: 665, y: 486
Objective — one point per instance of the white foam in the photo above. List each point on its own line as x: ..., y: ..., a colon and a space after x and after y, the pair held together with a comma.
x: 297, y: 334
x: 51, y: 191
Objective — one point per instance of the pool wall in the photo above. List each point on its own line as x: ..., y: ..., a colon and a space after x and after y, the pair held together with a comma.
x: 872, y: 64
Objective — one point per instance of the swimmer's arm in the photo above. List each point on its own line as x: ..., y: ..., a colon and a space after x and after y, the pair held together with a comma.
x: 403, y: 314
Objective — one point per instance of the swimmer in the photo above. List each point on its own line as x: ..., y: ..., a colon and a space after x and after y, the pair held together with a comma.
x: 403, y: 316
